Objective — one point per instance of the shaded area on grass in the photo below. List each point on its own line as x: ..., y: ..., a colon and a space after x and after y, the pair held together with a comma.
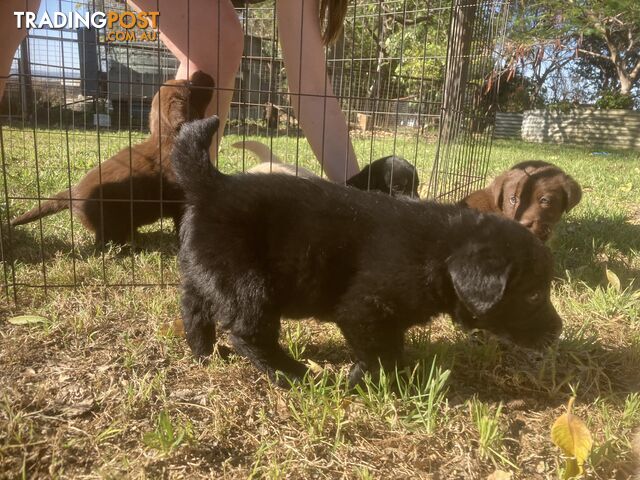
x: 82, y: 391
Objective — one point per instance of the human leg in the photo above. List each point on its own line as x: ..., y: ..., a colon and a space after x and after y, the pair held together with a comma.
x: 203, y: 35
x: 314, y: 102
x: 10, y: 34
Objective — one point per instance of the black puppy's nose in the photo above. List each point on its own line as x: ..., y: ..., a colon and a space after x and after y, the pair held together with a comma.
x: 556, y: 324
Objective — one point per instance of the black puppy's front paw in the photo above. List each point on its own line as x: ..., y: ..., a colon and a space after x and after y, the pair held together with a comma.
x: 288, y: 372
x: 360, y: 370
x: 201, y: 349
x: 284, y: 380
x: 356, y: 375
x: 222, y: 351
x: 207, y: 355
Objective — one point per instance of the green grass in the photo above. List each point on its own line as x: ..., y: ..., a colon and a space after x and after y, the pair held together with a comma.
x: 490, y: 428
x: 107, y: 387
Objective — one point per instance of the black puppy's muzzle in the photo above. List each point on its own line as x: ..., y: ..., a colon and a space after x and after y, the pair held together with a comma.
x: 537, y: 330
x: 542, y: 330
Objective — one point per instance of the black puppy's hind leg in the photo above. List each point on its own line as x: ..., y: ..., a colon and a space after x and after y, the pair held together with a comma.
x: 199, y: 325
x: 257, y: 340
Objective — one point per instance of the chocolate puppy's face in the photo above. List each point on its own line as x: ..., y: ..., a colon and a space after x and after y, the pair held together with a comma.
x: 536, y: 196
x: 503, y: 286
x: 180, y: 101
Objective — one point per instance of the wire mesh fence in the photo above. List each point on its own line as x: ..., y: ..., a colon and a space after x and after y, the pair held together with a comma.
x: 410, y: 77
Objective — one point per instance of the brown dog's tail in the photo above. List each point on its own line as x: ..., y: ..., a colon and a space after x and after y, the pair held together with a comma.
x: 59, y: 202
x: 263, y: 152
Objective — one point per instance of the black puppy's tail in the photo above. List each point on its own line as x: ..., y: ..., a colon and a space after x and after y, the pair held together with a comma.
x: 59, y: 202
x: 190, y: 158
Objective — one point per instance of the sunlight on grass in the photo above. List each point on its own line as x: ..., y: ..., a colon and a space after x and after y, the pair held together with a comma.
x: 413, y: 402
x: 106, y: 386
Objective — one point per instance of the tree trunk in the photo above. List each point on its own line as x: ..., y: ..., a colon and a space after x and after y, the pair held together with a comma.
x: 457, y: 72
x: 625, y: 84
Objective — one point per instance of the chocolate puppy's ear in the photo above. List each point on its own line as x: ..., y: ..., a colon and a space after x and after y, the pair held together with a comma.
x: 573, y: 193
x: 496, y: 189
x: 479, y: 277
x: 169, y: 109
x: 480, y: 200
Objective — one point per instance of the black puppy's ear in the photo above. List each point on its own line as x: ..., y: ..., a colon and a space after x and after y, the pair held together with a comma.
x: 361, y: 179
x: 573, y: 193
x: 479, y: 277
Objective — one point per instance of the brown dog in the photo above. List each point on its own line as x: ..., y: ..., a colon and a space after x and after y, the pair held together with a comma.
x: 102, y: 200
x: 534, y: 193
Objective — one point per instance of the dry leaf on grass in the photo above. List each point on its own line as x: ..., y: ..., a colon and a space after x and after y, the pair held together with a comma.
x: 613, y: 279
x: 500, y: 475
x: 314, y: 367
x: 27, y: 320
x: 574, y: 439
x: 175, y: 328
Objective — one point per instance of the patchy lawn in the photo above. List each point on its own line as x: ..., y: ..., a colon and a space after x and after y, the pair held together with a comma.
x: 106, y: 387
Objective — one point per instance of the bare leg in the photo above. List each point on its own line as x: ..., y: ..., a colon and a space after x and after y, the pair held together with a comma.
x: 10, y: 35
x: 314, y: 102
x: 203, y: 35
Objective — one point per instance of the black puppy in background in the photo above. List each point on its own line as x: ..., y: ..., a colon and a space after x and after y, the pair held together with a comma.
x: 392, y: 175
x: 255, y: 248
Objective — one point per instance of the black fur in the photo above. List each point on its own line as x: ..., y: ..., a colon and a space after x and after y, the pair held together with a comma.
x: 256, y: 248
x: 391, y: 175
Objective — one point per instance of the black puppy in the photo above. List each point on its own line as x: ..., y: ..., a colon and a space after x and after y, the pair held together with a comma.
x: 256, y: 248
x: 391, y: 175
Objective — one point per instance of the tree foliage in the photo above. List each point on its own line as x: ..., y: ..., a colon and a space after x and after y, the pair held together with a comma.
x: 599, y: 38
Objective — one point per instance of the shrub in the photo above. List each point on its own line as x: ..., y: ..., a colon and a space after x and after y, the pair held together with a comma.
x: 614, y: 100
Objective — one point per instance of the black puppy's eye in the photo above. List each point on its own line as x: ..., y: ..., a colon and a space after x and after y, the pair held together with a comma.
x: 513, y: 199
x: 534, y: 297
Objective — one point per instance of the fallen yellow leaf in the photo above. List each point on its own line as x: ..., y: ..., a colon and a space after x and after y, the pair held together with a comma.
x: 613, y: 279
x: 574, y: 439
x: 27, y: 320
x: 500, y: 475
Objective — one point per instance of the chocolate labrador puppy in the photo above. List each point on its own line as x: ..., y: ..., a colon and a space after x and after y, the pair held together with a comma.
x: 255, y: 248
x: 136, y: 186
x: 534, y: 193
